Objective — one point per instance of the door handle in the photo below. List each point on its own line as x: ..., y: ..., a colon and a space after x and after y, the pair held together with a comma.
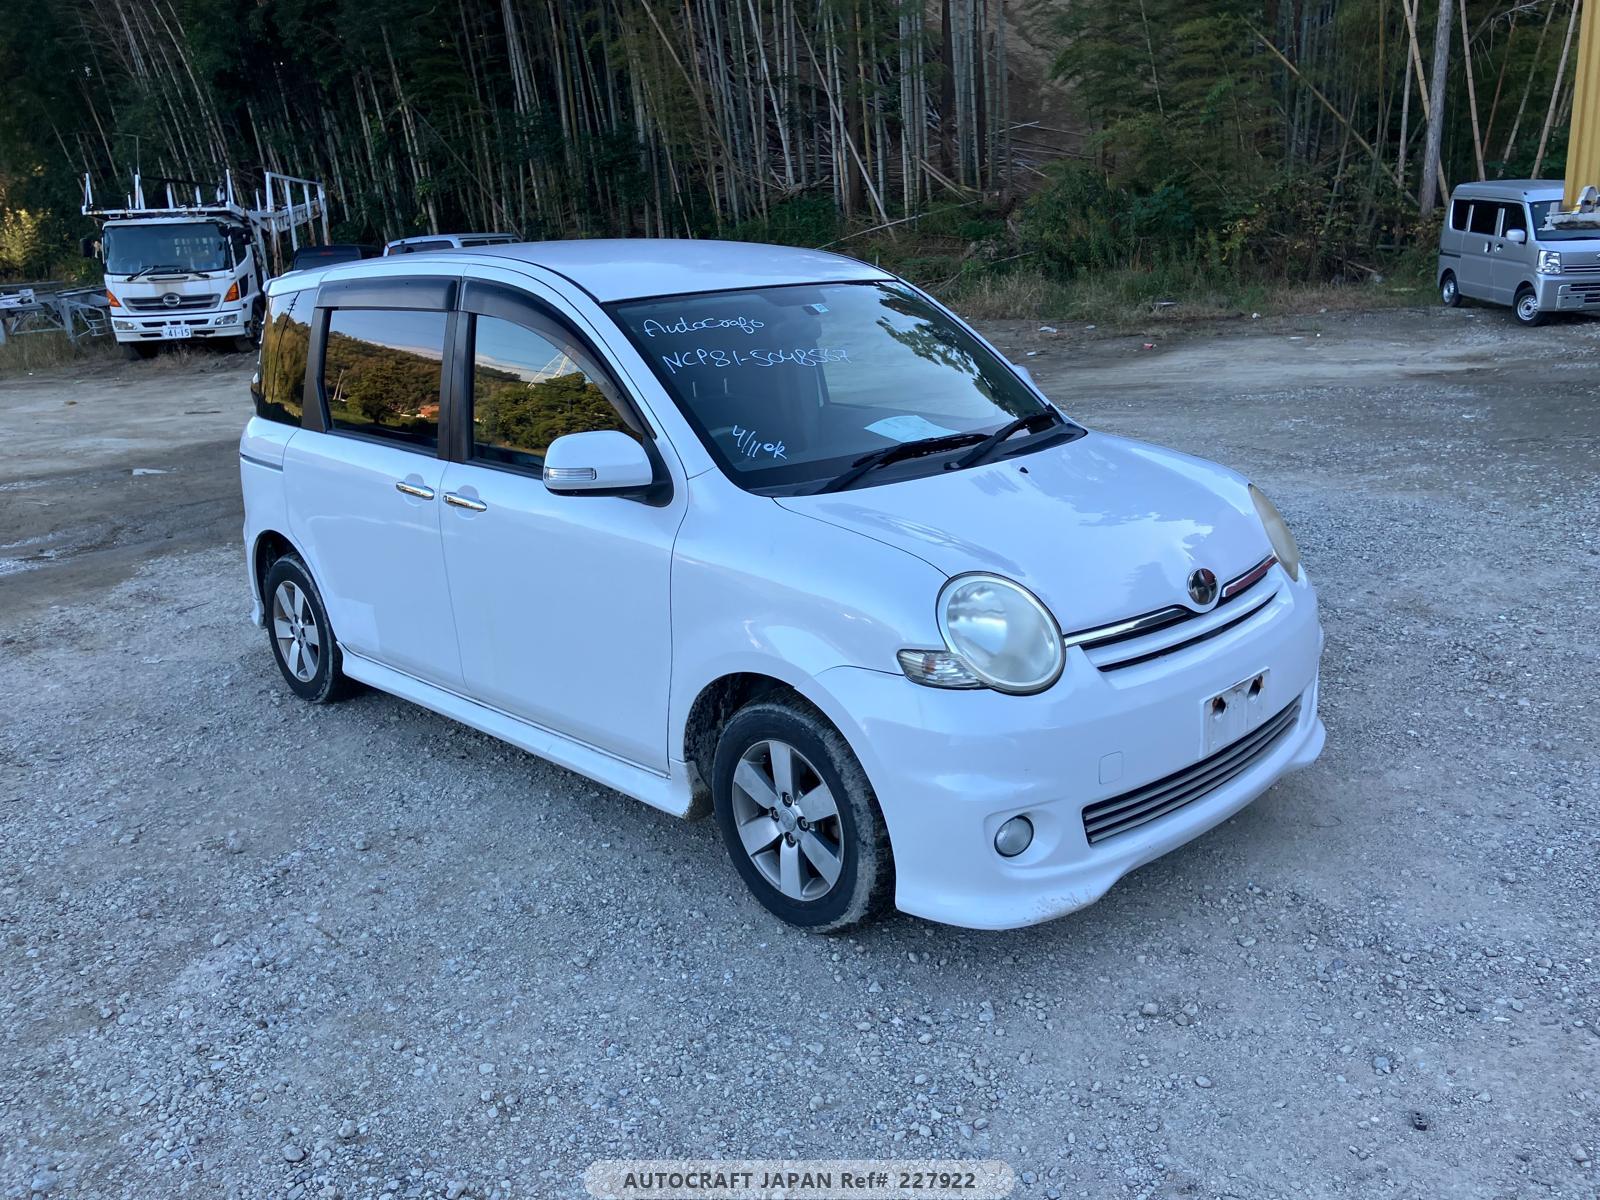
x: 412, y: 489
x: 465, y: 502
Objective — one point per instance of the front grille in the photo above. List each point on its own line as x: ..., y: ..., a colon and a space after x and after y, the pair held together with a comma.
x: 1169, y: 630
x: 1107, y: 818
x: 185, y: 303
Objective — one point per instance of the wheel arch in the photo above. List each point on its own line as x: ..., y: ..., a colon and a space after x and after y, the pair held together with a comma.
x: 716, y: 701
x: 267, y: 548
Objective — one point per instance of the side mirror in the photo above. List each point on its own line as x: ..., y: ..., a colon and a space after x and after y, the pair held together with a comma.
x: 86, y: 248
x: 1518, y: 236
x: 600, y: 460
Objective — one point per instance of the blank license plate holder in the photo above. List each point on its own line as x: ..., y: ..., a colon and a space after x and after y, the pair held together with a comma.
x: 1231, y: 714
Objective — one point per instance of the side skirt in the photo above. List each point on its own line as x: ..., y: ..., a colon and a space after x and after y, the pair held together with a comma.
x: 670, y: 793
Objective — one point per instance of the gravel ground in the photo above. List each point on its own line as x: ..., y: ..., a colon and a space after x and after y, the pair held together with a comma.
x: 254, y: 949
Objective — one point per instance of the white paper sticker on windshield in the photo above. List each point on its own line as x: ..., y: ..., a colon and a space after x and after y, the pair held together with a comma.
x: 907, y: 428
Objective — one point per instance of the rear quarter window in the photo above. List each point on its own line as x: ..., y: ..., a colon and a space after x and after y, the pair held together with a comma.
x: 1458, y: 214
x: 285, y: 340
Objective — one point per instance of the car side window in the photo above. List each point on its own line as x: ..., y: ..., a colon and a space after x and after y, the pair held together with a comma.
x: 380, y: 373
x: 1516, y: 218
x: 1459, y: 211
x: 285, y: 339
x: 1485, y: 215
x: 531, y: 386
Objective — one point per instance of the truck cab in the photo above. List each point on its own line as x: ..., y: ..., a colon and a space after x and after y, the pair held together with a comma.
x: 182, y: 277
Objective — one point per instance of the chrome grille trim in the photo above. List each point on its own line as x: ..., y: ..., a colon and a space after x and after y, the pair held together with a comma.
x: 1167, y: 630
x: 1129, y: 628
x: 1119, y: 814
x: 153, y: 304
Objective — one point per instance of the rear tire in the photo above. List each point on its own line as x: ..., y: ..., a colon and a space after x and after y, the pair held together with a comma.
x: 799, y: 818
x: 302, y: 639
x: 1526, y: 307
x: 1449, y: 290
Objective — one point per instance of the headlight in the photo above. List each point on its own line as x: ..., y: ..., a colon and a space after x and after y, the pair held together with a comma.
x: 1283, y: 543
x: 1549, y: 262
x: 1001, y: 633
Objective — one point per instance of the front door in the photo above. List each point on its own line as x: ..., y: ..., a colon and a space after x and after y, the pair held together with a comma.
x: 363, y: 492
x: 562, y: 602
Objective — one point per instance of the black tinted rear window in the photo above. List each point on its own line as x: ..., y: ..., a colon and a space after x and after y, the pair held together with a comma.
x: 280, y: 394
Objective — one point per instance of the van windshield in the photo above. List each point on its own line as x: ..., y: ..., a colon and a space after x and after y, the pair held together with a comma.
x: 1542, y: 209
x: 788, y: 387
x: 169, y: 246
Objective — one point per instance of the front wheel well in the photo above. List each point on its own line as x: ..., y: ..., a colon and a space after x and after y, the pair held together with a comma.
x: 712, y: 709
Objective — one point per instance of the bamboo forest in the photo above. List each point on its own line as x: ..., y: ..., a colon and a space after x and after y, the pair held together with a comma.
x: 1286, y: 139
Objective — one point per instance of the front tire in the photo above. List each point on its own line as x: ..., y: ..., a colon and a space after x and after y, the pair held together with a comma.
x: 1449, y: 290
x: 302, y: 639
x: 799, y: 818
x: 1526, y: 307
x: 139, y: 351
x: 250, y: 341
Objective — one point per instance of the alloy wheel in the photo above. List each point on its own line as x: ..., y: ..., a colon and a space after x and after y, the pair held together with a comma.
x: 787, y: 820
x: 294, y: 629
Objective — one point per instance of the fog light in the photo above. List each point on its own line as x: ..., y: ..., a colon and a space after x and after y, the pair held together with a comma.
x: 1015, y: 836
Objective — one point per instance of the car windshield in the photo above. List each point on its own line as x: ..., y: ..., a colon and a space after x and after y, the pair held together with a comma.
x: 175, y: 246
x: 789, y: 386
x: 1543, y: 208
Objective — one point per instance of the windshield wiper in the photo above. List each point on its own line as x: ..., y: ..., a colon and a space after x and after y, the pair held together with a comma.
x: 897, y: 453
x: 151, y: 270
x: 1033, y: 423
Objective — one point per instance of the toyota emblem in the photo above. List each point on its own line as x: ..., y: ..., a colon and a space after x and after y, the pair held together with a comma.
x: 172, y: 299
x: 1203, y: 587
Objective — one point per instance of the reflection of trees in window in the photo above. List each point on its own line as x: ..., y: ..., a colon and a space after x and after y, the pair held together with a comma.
x: 514, y: 416
x: 286, y: 342
x: 940, y: 343
x: 392, y: 387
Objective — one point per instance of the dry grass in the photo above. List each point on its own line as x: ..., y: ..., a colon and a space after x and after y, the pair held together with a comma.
x: 29, y: 352
x: 1135, y: 298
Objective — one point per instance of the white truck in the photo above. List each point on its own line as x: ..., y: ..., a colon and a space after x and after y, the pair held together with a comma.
x: 193, y: 267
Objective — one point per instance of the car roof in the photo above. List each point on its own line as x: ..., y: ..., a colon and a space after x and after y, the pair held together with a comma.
x: 1501, y: 189
x: 632, y: 268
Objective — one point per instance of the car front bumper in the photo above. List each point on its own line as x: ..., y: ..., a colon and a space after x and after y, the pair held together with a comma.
x: 950, y: 767
x: 1568, y: 293
x: 149, y: 328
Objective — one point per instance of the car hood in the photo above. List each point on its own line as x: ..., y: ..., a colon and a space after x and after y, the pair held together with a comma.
x: 1100, y: 529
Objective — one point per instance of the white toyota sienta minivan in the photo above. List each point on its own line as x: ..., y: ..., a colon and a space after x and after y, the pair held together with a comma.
x: 771, y: 534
